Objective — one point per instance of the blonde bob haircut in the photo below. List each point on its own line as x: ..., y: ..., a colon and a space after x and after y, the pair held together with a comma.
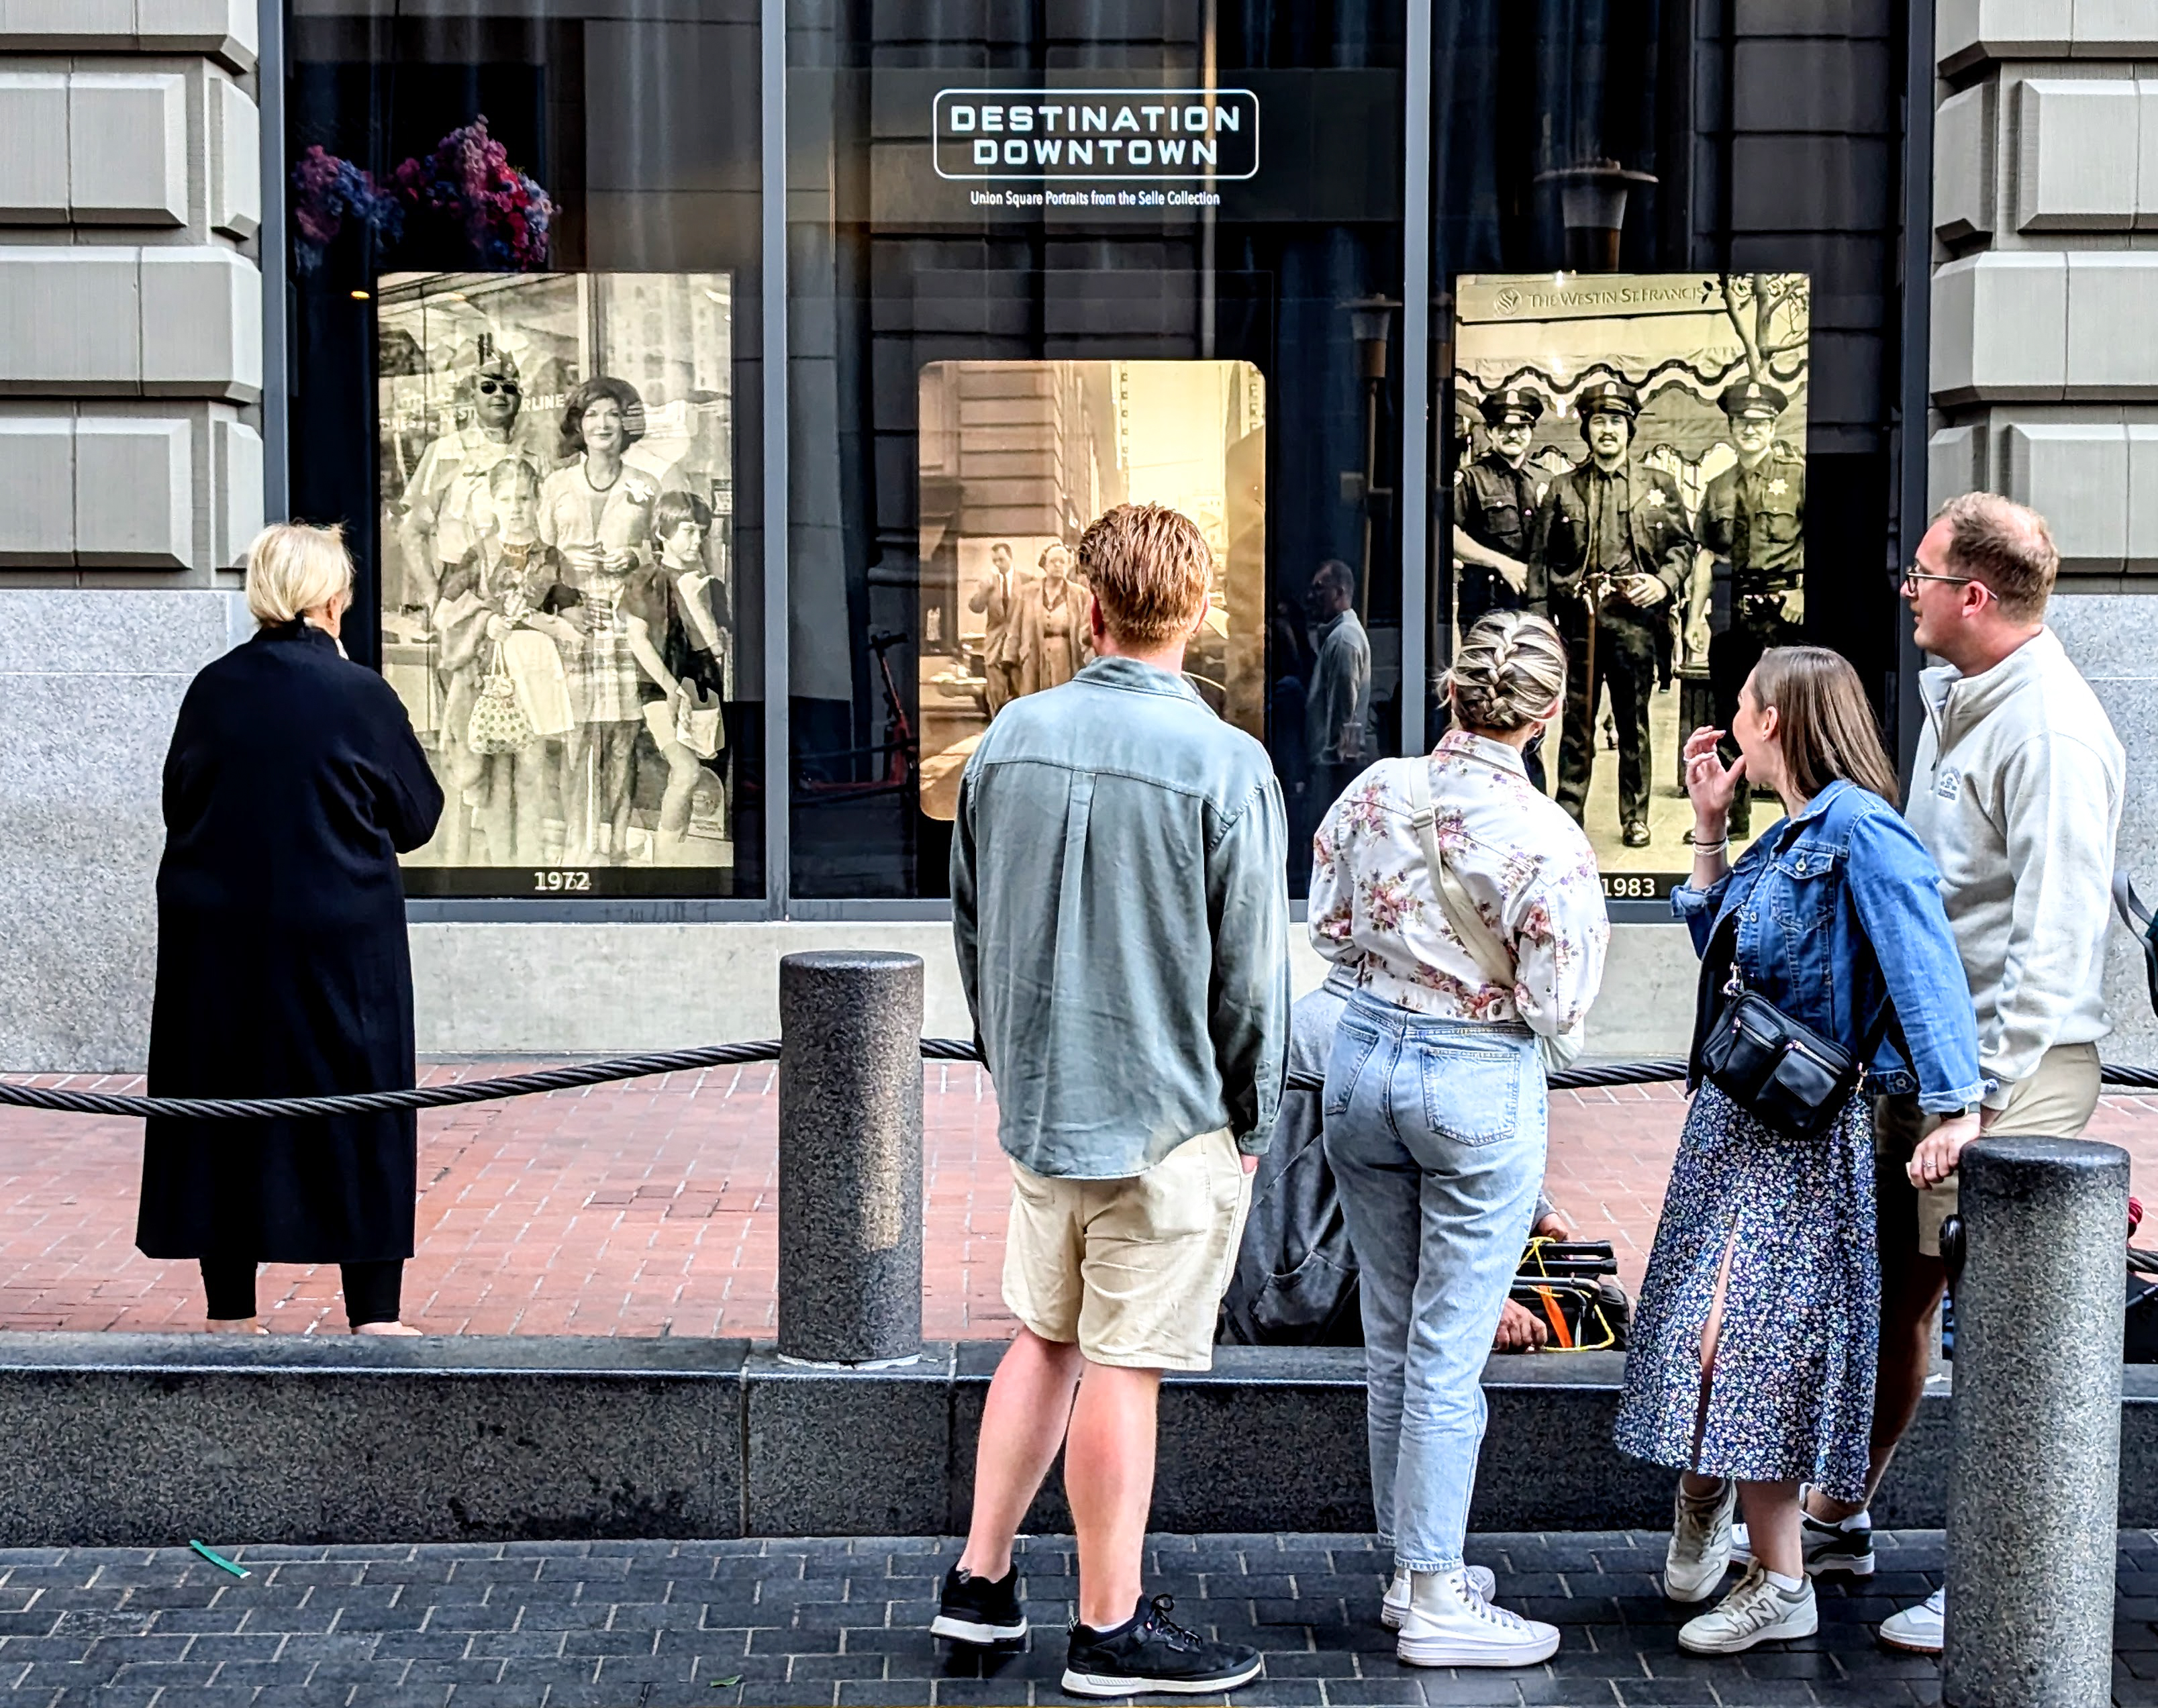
x: 293, y: 567
x: 1508, y: 671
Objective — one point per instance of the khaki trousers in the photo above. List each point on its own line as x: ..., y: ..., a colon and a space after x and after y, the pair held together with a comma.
x: 2057, y: 1102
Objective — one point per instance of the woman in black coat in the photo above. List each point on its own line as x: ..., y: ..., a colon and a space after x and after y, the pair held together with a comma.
x: 293, y: 783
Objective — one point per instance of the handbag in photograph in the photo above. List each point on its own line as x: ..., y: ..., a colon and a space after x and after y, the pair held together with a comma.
x: 498, y: 723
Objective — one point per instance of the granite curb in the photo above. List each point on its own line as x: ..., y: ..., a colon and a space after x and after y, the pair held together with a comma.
x: 147, y: 1440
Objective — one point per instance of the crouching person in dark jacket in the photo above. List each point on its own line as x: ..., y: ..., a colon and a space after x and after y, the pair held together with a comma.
x: 1295, y: 1280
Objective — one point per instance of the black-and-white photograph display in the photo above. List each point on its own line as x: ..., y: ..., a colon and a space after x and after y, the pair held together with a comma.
x: 1629, y: 461
x: 1016, y: 458
x: 558, y: 575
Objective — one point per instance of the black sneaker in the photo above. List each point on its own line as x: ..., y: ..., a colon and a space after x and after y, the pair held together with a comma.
x: 980, y: 1609
x: 1152, y: 1652
x: 1828, y: 1548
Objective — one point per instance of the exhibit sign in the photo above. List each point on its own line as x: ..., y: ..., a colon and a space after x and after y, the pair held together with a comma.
x: 558, y: 601
x: 1096, y: 135
x: 1016, y: 459
x: 1629, y: 461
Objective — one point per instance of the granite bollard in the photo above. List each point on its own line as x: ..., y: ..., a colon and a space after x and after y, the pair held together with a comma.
x: 2034, y: 1478
x: 850, y: 1156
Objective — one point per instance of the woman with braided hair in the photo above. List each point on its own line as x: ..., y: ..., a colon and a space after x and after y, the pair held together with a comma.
x: 1468, y: 908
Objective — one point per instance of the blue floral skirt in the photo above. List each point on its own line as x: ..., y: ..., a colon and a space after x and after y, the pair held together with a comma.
x: 1793, y: 1395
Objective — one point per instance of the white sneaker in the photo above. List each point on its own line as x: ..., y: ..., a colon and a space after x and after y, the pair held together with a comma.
x: 1447, y: 1623
x: 1398, y: 1593
x: 1699, y: 1550
x: 1918, y: 1630
x: 1756, y: 1612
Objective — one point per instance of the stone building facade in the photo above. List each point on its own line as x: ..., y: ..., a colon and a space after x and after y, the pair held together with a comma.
x: 2043, y: 365
x: 131, y: 472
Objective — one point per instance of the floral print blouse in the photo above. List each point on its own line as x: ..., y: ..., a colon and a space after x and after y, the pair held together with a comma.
x: 1527, y: 866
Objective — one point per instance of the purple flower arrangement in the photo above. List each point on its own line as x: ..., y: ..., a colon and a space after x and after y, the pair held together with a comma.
x: 464, y: 194
x: 468, y: 184
x: 331, y: 190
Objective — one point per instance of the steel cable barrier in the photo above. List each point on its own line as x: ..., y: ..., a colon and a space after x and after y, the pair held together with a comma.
x: 631, y: 1067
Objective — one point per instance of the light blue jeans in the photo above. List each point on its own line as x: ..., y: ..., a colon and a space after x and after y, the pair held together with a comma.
x: 1435, y: 1130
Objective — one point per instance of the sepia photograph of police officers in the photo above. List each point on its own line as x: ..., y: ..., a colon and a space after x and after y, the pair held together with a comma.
x: 1629, y: 460
x: 1610, y: 554
x: 1753, y: 538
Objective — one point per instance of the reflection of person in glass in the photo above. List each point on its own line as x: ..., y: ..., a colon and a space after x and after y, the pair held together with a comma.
x: 435, y: 531
x: 683, y: 652
x: 1494, y: 508
x: 1611, y: 551
x: 997, y: 599
x: 597, y: 513
x: 1753, y: 516
x: 1053, y: 641
x: 498, y: 619
x: 1337, y: 712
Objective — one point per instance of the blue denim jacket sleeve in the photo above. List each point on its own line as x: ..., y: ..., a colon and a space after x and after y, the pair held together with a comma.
x: 1699, y: 909
x: 1895, y: 890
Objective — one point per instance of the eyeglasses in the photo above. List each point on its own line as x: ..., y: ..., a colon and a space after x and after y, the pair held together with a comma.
x: 1907, y: 579
x: 488, y: 388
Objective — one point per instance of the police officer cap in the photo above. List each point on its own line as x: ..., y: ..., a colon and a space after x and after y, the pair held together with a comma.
x: 1750, y: 397
x: 1514, y: 406
x: 1610, y: 397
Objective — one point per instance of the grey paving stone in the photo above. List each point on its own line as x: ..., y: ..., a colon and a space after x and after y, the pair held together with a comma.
x: 1469, y: 1689
x: 653, y: 1625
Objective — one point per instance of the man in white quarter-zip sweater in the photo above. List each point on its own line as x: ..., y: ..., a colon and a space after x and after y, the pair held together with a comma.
x: 2016, y: 794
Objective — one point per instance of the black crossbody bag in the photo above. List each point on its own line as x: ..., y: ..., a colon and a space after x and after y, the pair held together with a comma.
x: 1783, y: 1073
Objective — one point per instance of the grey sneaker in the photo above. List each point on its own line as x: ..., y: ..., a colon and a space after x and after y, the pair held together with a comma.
x: 1396, y: 1603
x: 1828, y: 1548
x: 1756, y: 1612
x: 1700, y: 1551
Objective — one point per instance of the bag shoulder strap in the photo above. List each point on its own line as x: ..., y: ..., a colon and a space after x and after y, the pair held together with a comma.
x: 1477, y: 938
x: 1883, y: 1023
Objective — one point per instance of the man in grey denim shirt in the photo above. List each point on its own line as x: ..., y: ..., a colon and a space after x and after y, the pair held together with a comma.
x: 1122, y: 919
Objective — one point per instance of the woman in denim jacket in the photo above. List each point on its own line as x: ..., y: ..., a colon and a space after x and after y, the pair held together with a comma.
x: 1751, y: 1364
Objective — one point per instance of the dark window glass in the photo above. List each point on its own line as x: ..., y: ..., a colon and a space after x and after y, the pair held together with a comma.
x: 1051, y: 259
x: 526, y: 276
x: 1695, y: 203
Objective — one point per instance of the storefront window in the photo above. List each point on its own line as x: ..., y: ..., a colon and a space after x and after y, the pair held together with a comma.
x: 1040, y: 262
x: 525, y: 259
x: 1053, y: 267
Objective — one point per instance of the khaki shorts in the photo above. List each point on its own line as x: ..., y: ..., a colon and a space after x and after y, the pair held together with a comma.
x: 2057, y: 1102
x: 1132, y: 1270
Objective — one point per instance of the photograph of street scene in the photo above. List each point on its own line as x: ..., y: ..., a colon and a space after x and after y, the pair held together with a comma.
x: 558, y: 611
x: 1016, y: 458
x: 1629, y: 459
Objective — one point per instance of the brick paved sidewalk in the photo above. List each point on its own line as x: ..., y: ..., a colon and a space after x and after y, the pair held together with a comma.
x: 650, y: 1208
x: 788, y: 1624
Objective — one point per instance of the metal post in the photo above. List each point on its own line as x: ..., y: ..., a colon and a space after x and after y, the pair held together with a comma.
x: 2034, y: 1481
x: 850, y: 1156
